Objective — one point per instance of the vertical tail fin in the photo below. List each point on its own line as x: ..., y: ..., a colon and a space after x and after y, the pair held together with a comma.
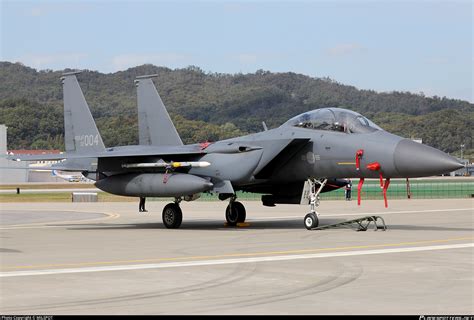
x: 154, y: 123
x: 80, y: 131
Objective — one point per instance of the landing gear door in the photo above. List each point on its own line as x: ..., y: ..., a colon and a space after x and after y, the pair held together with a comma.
x: 305, y: 195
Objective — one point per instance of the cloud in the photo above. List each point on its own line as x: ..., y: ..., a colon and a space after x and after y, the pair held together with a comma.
x: 125, y: 61
x: 344, y: 49
x: 57, y: 60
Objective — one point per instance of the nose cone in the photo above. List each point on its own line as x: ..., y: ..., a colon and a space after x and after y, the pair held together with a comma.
x: 414, y: 159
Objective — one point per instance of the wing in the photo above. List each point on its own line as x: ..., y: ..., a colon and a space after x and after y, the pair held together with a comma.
x: 117, y: 152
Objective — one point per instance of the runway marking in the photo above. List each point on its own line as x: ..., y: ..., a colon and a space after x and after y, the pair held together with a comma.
x: 231, y: 261
x: 38, y: 225
x: 42, y: 225
x: 287, y: 252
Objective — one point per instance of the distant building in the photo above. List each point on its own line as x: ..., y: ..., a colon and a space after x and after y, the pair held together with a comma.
x: 10, y: 171
x: 468, y: 169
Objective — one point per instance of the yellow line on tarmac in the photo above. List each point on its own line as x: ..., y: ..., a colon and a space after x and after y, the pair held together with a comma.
x: 108, y: 216
x: 234, y: 255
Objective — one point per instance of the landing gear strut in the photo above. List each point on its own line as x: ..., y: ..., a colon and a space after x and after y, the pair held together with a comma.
x: 172, y: 215
x: 235, y: 212
x: 311, y: 219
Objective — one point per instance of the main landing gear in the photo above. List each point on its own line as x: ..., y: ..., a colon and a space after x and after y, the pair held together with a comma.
x: 172, y: 215
x: 235, y: 212
x: 311, y: 220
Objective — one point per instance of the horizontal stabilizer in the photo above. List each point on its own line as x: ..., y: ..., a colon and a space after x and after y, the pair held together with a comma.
x: 118, y: 152
x: 37, y: 157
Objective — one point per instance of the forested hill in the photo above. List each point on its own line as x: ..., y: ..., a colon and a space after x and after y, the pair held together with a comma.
x: 211, y: 106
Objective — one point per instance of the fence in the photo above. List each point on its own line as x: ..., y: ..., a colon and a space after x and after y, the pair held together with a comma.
x: 419, y: 189
x: 438, y: 188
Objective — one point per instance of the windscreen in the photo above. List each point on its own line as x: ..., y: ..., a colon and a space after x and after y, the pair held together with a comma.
x: 334, y: 119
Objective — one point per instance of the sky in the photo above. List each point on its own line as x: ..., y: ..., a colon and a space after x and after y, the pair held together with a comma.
x: 417, y: 46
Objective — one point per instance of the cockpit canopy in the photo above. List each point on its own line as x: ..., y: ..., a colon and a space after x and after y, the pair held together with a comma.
x: 334, y: 119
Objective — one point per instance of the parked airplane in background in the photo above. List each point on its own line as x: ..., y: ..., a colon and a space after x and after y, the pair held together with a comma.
x: 68, y: 177
x: 309, y: 154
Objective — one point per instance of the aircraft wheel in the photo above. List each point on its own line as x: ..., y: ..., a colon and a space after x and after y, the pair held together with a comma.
x: 311, y: 221
x: 172, y: 216
x: 232, y: 215
x: 241, y: 211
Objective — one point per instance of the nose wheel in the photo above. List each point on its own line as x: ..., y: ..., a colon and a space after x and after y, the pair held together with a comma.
x: 311, y: 221
x: 172, y: 216
x: 235, y: 213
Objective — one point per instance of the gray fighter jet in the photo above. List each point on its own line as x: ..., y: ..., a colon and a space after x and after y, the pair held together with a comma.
x: 311, y: 153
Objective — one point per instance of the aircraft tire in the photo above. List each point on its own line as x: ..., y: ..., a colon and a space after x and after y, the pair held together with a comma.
x: 232, y: 215
x: 242, y: 214
x: 311, y: 221
x: 172, y: 216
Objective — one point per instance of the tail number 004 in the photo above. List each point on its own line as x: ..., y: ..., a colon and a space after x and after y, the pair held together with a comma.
x: 87, y: 140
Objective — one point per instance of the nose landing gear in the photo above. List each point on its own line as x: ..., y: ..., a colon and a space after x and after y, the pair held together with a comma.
x: 311, y: 220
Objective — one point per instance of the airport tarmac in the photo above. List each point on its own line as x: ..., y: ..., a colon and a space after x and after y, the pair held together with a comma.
x: 106, y: 258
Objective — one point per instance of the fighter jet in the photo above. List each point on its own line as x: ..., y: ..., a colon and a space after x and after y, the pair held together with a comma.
x: 292, y: 164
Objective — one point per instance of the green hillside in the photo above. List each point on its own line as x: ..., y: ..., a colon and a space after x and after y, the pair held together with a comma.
x: 210, y: 106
